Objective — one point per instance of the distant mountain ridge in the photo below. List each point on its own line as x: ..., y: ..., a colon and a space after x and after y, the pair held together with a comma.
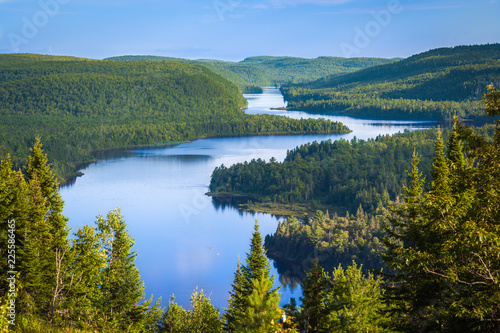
x: 433, y: 84
x: 255, y: 72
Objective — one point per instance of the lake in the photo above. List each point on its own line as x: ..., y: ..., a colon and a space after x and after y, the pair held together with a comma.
x: 184, y: 240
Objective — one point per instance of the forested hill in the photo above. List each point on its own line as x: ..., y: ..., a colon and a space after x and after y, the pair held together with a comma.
x: 434, y: 84
x: 255, y: 72
x: 78, y: 106
x: 339, y: 176
x: 283, y: 70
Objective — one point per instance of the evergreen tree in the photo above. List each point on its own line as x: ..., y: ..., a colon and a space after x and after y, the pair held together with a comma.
x: 121, y: 285
x: 236, y: 303
x: 446, y: 259
x: 45, y: 252
x: 174, y: 320
x: 13, y: 209
x: 263, y: 312
x: 315, y: 303
x: 256, y: 303
x: 90, y: 282
x: 204, y: 317
x: 356, y: 302
x: 257, y: 263
x: 406, y: 235
x: 89, y: 262
x: 39, y: 169
x: 492, y: 101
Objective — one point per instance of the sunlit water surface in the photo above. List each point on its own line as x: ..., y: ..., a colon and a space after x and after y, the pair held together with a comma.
x: 183, y: 239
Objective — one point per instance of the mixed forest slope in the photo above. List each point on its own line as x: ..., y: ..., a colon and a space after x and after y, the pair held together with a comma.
x: 340, y: 191
x: 338, y: 175
x: 255, y: 72
x: 435, y: 84
x: 78, y: 106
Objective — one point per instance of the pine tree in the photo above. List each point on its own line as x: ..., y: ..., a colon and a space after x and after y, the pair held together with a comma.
x: 356, y: 302
x: 411, y: 242
x: 38, y: 168
x: 204, y: 317
x: 236, y: 302
x: 255, y: 293
x: 90, y: 282
x: 174, y: 319
x: 492, y: 101
x: 256, y: 261
x: 13, y: 209
x: 45, y: 252
x: 88, y: 263
x: 263, y: 313
x: 445, y: 258
x: 121, y: 285
x: 315, y: 305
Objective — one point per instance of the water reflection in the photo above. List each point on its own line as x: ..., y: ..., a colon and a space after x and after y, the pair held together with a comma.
x: 290, y: 273
x: 185, y: 239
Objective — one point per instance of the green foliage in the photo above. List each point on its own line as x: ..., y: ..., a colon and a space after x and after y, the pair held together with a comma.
x: 443, y: 244
x: 255, y: 72
x: 262, y: 312
x: 435, y: 84
x: 236, y: 301
x: 346, y: 301
x: 79, y: 106
x: 283, y: 70
x: 315, y: 306
x: 331, y: 240
x: 253, y: 303
x: 356, y: 302
x: 340, y: 175
x: 121, y: 285
x: 88, y: 283
x: 492, y: 101
x: 203, y: 317
x: 174, y: 319
x: 257, y: 263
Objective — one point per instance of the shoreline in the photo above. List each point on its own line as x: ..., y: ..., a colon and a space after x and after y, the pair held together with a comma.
x: 79, y: 166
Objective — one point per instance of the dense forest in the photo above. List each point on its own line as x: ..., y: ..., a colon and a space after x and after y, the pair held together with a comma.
x: 441, y: 248
x: 255, y: 72
x: 395, y: 234
x: 368, y: 238
x: 78, y: 106
x: 340, y: 175
x: 436, y: 84
x: 331, y: 239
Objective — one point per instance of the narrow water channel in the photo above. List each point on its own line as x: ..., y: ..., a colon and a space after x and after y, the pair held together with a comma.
x: 182, y: 238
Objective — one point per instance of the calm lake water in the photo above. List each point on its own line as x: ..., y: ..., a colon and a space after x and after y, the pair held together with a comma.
x: 185, y: 240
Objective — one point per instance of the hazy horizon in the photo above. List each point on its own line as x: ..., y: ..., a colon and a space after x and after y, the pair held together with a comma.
x: 236, y: 29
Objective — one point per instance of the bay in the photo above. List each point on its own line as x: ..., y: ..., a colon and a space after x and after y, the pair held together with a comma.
x: 183, y: 238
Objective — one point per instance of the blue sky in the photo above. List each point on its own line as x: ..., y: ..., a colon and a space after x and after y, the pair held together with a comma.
x: 235, y: 29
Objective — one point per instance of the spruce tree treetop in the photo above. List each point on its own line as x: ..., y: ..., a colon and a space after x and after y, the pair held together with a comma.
x: 236, y: 302
x: 492, y: 100
x: 440, y: 171
x: 315, y: 305
x: 38, y: 166
x: 254, y: 304
x: 39, y: 171
x: 256, y: 261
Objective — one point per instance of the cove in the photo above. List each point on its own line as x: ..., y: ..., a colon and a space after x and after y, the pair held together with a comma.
x: 184, y: 239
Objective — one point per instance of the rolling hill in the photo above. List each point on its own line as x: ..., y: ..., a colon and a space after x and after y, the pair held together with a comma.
x: 434, y: 84
x: 79, y: 106
x: 255, y: 72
